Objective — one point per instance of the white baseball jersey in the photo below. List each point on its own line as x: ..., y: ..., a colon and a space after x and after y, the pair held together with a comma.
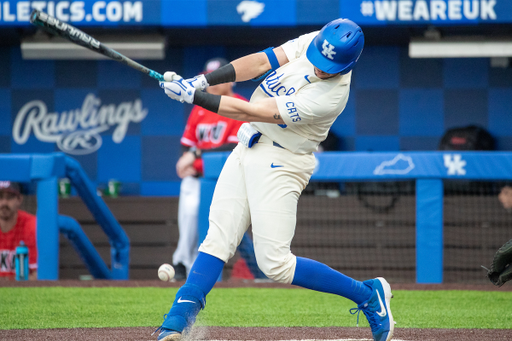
x: 307, y: 104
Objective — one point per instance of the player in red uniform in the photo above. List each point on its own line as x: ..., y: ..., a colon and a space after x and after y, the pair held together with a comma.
x: 205, y: 131
x: 15, y: 226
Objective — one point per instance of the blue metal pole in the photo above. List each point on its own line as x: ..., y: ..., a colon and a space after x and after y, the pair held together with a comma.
x: 47, y: 229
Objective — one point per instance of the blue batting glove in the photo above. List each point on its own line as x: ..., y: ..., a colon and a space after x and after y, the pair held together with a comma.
x: 179, y: 90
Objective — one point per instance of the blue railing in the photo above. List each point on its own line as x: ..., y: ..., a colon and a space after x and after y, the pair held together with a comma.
x: 46, y: 169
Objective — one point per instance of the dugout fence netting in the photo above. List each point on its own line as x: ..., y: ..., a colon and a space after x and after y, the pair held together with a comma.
x: 475, y: 225
x: 368, y: 229
x: 363, y: 229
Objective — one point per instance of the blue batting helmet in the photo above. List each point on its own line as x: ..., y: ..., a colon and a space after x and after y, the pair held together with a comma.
x: 337, y: 47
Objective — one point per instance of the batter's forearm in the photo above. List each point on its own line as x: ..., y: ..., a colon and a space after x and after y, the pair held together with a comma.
x: 251, y: 66
x: 246, y: 68
x: 262, y: 111
x: 238, y: 111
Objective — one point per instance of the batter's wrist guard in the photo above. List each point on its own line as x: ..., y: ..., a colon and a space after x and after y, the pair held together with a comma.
x: 247, y: 135
x: 208, y: 101
x: 224, y: 74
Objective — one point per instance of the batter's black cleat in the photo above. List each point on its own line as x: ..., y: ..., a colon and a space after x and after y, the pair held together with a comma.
x: 180, y: 272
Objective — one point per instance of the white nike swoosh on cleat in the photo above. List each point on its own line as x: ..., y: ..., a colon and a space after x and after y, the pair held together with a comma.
x: 382, y: 311
x: 185, y: 301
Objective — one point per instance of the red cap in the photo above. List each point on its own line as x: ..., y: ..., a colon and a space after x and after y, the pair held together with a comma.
x: 213, y: 64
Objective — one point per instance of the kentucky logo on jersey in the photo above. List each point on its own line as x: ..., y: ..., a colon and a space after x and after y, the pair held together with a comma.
x: 328, y: 50
x: 272, y: 86
x: 211, y: 132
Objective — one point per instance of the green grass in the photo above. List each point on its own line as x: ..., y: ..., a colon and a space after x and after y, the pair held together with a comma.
x: 56, y: 307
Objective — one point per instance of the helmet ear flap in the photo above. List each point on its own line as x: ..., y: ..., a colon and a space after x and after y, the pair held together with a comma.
x: 337, y: 47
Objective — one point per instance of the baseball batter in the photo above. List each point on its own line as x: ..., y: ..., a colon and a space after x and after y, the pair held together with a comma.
x: 306, y: 83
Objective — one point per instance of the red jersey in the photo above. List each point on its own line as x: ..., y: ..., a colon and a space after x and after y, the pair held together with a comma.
x: 207, y: 130
x: 25, y: 229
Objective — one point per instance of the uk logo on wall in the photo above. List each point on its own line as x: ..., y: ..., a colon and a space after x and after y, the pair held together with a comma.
x: 77, y: 131
x: 454, y: 164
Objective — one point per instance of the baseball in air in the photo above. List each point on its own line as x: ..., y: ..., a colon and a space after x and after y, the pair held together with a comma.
x: 166, y: 272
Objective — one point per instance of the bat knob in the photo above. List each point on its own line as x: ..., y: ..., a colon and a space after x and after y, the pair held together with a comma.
x: 34, y: 15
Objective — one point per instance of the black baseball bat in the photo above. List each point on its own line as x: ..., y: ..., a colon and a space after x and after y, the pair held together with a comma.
x: 74, y: 35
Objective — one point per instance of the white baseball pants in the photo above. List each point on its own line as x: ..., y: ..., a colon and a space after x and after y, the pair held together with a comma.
x: 188, y: 208
x: 259, y: 185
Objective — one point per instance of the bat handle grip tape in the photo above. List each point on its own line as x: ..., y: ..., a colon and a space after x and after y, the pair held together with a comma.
x: 156, y: 75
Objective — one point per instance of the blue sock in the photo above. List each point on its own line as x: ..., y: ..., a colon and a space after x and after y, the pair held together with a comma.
x: 191, y: 297
x: 205, y: 272
x: 314, y: 275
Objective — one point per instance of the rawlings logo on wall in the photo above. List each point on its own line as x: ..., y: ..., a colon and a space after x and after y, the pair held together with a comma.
x: 76, y: 131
